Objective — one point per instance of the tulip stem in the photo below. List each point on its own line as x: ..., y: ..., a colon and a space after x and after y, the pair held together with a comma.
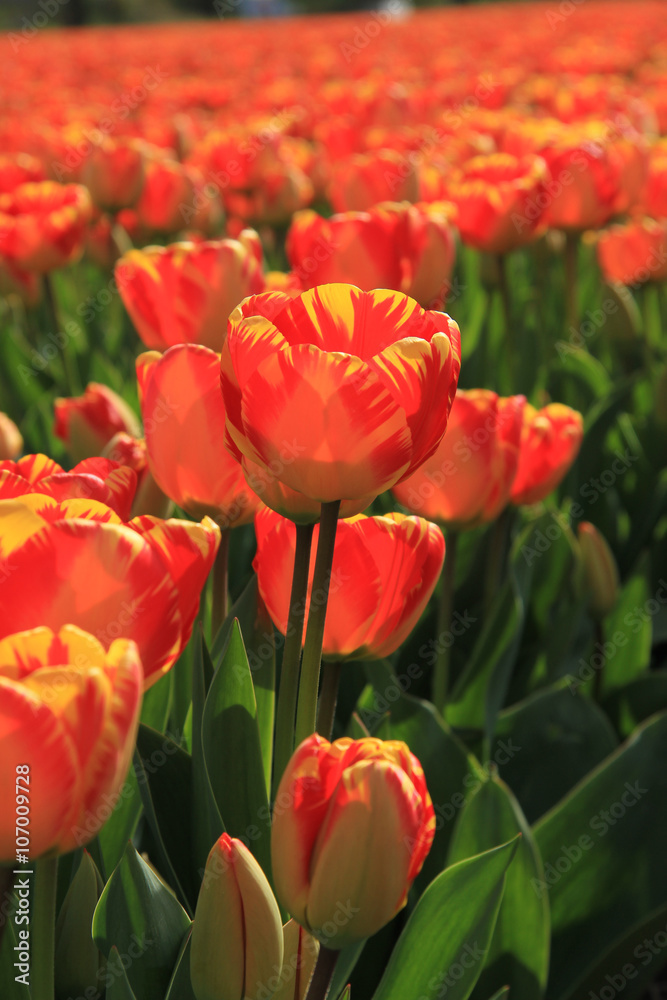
x: 72, y: 383
x: 42, y: 922
x: 504, y: 289
x: 328, y: 697
x: 571, y: 283
x: 322, y: 977
x: 306, y: 715
x: 495, y: 559
x: 220, y: 584
x: 289, y: 674
x: 441, y: 671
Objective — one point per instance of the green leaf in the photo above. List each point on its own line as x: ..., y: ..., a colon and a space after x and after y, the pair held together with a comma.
x: 156, y: 703
x: 180, y: 987
x: 501, y: 994
x: 142, y: 918
x: 233, y: 752
x: 451, y: 925
x: 121, y: 825
x: 630, y: 636
x: 600, y: 885
x: 206, y: 822
x: 164, y: 774
x: 519, y: 952
x: 556, y: 737
x: 77, y: 958
x: 587, y: 370
x: 631, y: 705
x: 115, y: 978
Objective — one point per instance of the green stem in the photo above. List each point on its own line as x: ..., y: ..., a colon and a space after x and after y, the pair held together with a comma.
x: 571, y: 281
x: 441, y: 671
x: 320, y: 982
x: 312, y: 651
x: 72, y: 382
x: 504, y: 289
x: 220, y: 583
x: 289, y: 674
x: 328, y: 697
x: 43, y: 922
x: 496, y: 557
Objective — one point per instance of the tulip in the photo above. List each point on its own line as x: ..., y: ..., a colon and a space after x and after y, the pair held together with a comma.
x: 409, y: 248
x: 11, y: 440
x: 98, y: 479
x: 600, y: 570
x: 634, y: 252
x: 336, y: 394
x: 184, y: 293
x: 114, y: 173
x: 75, y: 561
x: 654, y: 198
x: 550, y: 442
x: 87, y: 423
x: 236, y: 950
x: 468, y: 479
x: 366, y: 179
x: 384, y: 572
x: 300, y: 956
x: 68, y: 719
x: 17, y: 169
x: 352, y: 825
x: 168, y: 190
x: 184, y: 420
x: 496, y: 198
x: 42, y: 225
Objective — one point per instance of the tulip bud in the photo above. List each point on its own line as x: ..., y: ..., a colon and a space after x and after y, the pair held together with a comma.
x: 352, y: 825
x: 300, y: 957
x: 237, y: 935
x: 87, y: 423
x: 600, y: 570
x: 11, y: 442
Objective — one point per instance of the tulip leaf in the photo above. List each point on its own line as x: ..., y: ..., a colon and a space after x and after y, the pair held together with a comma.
x: 206, y: 823
x: 599, y: 885
x: 233, y: 752
x: 180, y: 987
x: 628, y: 636
x: 115, y: 978
x: 556, y: 737
x: 628, y: 706
x: 519, y: 951
x: 121, y: 825
x: 444, y: 759
x: 142, y: 918
x: 450, y: 927
x: 77, y: 958
x: 156, y: 703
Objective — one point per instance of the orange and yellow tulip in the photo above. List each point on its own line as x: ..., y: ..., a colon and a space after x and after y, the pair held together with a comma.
x: 352, y: 825
x: 384, y: 572
x: 75, y: 562
x: 87, y: 423
x: 68, y: 718
x: 184, y: 421
x: 183, y: 293
x: 43, y: 225
x: 336, y: 394
x: 467, y: 480
x: 99, y: 479
x: 365, y: 179
x: 114, y: 173
x: 634, y: 252
x: 17, y: 169
x: 168, y: 192
x: 550, y: 442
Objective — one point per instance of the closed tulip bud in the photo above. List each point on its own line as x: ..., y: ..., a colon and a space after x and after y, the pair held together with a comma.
x: 600, y: 570
x: 87, y: 423
x: 11, y: 441
x: 300, y: 956
x: 236, y: 951
x: 352, y: 825
x: 114, y: 173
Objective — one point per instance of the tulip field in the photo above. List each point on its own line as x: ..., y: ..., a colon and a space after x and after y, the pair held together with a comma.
x: 333, y: 505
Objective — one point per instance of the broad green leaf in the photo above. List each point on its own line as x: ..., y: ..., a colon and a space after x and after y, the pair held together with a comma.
x: 233, y: 753
x: 519, y: 952
x: 450, y: 927
x: 142, y: 918
x: 180, y: 987
x: 600, y: 885
x: 115, y: 978
x: 164, y: 774
x: 206, y: 823
x: 628, y: 637
x: 77, y: 958
x: 121, y: 825
x: 556, y: 737
x: 156, y: 703
x: 586, y: 369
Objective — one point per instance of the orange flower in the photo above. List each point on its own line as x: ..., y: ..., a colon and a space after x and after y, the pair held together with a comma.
x: 358, y: 182
x: 167, y: 194
x: 550, y: 442
x: 335, y: 394
x: 114, y: 173
x: 75, y: 561
x: 99, y: 479
x: 467, y: 480
x: 86, y: 423
x: 496, y: 198
x: 11, y: 440
x: 184, y: 420
x: 634, y: 252
x: 409, y: 248
x: 42, y: 225
x: 353, y: 822
x: 654, y: 199
x: 17, y: 169
x: 68, y: 720
x: 183, y: 293
x: 384, y: 572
